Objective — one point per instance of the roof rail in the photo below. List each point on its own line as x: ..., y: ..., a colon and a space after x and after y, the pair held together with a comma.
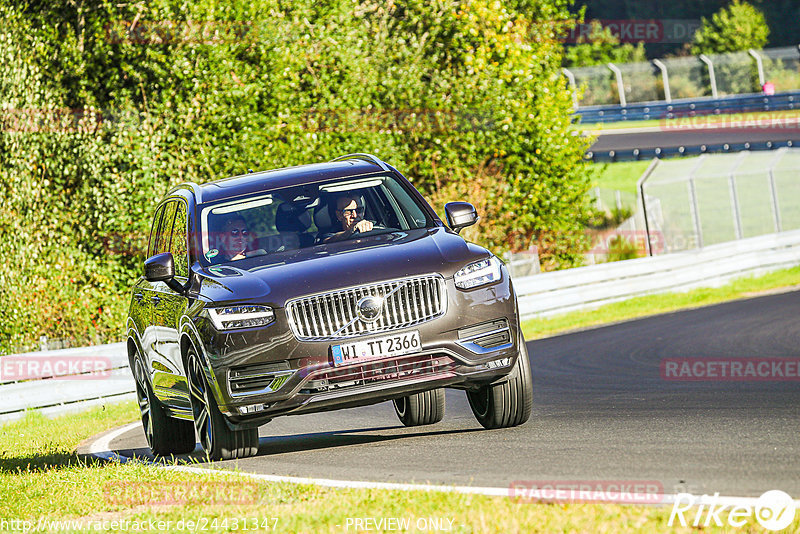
x: 198, y: 192
x: 366, y: 157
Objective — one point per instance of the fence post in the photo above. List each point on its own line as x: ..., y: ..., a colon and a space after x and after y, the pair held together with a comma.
x: 598, y: 201
x: 712, y: 78
x: 760, y: 64
x: 640, y: 187
x: 737, y: 216
x: 573, y: 86
x: 776, y: 213
x: 665, y: 77
x: 620, y: 84
x: 693, y: 203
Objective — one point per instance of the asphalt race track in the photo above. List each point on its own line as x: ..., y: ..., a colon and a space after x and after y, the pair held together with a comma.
x: 601, y: 412
x: 650, y: 138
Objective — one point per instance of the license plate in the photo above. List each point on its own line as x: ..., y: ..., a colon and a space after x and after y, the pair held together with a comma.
x: 376, y: 348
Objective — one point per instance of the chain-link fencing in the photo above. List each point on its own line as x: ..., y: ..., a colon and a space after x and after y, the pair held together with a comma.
x: 717, y: 75
x: 692, y: 203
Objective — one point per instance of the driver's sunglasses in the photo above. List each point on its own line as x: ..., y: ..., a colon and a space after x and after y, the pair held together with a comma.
x: 352, y: 211
x: 235, y: 232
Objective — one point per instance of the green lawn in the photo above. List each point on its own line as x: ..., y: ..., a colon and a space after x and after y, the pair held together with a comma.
x: 620, y: 176
x: 41, y: 479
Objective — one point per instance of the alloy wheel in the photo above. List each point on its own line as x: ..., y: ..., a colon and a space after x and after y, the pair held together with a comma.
x: 200, y: 405
x: 145, y: 403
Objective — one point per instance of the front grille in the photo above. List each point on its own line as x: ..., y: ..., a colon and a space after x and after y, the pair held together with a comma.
x: 332, y: 315
x: 398, y: 369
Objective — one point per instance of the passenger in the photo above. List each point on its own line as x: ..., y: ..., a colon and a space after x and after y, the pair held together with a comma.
x: 350, y: 217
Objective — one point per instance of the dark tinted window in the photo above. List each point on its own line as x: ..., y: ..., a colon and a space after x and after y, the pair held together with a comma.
x: 151, y: 245
x: 165, y: 228
x: 178, y: 243
x: 309, y: 215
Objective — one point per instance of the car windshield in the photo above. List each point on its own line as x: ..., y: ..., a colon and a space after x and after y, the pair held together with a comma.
x: 308, y: 215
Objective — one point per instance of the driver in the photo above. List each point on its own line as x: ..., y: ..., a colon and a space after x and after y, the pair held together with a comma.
x: 235, y: 238
x: 349, y: 213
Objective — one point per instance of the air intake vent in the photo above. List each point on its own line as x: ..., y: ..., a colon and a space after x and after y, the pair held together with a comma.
x: 485, y: 337
x: 258, y: 378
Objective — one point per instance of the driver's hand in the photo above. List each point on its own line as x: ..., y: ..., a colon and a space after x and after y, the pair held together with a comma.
x: 363, y: 226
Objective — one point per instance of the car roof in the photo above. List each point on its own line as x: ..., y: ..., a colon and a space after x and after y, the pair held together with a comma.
x: 254, y: 182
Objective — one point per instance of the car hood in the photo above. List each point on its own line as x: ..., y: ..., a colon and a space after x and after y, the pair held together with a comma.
x: 276, y: 278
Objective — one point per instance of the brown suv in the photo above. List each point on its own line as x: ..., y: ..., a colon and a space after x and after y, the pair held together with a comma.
x: 315, y: 288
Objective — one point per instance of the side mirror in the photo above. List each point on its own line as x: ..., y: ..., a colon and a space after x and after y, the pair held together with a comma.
x: 161, y: 268
x: 460, y: 215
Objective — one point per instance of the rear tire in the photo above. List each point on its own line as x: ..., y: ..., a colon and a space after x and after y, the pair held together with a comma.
x: 165, y: 435
x: 217, y: 439
x: 424, y: 408
x: 509, y: 403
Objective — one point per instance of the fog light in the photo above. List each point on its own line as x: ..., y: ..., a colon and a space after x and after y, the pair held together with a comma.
x: 494, y: 364
x: 252, y: 408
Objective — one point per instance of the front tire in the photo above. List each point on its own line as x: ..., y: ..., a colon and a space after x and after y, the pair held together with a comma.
x: 165, y: 435
x: 424, y: 408
x: 217, y: 439
x: 509, y: 403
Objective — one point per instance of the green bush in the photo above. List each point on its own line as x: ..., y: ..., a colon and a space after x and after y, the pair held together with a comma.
x: 601, y: 48
x: 736, y: 27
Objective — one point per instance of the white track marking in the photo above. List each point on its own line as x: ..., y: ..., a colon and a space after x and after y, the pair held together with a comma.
x: 100, y: 448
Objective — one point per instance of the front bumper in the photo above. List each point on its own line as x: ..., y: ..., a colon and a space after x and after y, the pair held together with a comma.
x: 293, y: 377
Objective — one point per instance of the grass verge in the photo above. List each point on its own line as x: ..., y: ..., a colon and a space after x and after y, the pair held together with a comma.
x: 43, y: 482
x: 620, y: 176
x: 666, y: 302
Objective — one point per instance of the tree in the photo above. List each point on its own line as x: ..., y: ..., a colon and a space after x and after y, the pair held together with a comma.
x: 464, y: 96
x: 600, y: 48
x: 734, y: 28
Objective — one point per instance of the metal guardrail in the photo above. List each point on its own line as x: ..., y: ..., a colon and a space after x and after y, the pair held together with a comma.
x: 689, y: 107
x: 55, y: 393
x: 637, y: 154
x: 590, y: 287
x: 56, y: 382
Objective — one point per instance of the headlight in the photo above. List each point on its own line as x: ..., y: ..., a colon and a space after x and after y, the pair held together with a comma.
x: 479, y: 273
x: 240, y: 316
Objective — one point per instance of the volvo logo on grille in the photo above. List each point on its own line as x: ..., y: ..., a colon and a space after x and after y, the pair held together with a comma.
x: 369, y: 308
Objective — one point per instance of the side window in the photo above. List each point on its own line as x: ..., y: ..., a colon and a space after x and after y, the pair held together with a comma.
x: 165, y: 228
x: 178, y: 245
x: 151, y: 245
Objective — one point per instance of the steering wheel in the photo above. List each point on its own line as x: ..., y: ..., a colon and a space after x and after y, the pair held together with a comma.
x: 376, y: 229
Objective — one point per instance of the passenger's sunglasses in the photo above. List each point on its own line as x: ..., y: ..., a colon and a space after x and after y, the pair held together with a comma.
x: 355, y: 211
